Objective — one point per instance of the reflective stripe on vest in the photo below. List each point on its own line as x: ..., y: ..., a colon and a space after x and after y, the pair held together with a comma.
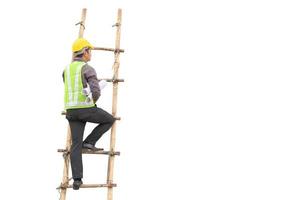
x: 74, y: 97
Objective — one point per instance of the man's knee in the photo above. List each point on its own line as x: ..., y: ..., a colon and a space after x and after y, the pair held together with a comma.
x: 112, y: 120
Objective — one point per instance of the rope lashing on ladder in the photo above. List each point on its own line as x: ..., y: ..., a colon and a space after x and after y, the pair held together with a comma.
x: 116, y: 24
x: 81, y: 24
x: 63, y: 186
x: 65, y: 154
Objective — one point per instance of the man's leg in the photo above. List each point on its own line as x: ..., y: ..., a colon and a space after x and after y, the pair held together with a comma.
x: 105, y: 121
x: 77, y: 130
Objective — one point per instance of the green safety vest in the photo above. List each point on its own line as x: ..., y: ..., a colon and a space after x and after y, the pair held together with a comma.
x: 74, y: 96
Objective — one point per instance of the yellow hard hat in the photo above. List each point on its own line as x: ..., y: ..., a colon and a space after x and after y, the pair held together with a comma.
x: 81, y: 43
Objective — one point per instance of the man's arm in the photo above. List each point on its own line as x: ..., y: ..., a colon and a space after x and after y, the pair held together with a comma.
x: 90, y: 75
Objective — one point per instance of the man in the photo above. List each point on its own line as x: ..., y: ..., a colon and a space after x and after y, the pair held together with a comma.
x: 82, y: 91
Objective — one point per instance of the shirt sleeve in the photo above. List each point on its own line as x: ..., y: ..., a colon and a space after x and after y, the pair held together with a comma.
x: 90, y: 76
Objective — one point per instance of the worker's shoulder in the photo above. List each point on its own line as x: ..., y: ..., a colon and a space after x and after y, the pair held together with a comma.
x: 88, y: 70
x: 87, y: 67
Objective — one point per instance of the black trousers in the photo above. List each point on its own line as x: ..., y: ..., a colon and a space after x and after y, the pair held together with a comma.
x: 77, y: 119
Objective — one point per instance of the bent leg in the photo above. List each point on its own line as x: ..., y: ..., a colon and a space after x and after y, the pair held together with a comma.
x: 105, y: 121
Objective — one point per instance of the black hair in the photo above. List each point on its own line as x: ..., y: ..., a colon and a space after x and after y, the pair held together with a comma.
x: 81, y: 54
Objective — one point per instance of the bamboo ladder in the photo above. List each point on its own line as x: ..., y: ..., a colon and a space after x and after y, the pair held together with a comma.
x: 111, y: 153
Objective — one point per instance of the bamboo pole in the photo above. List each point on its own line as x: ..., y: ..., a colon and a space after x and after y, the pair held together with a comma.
x: 113, y: 80
x: 108, y: 49
x: 64, y: 113
x: 89, y: 186
x: 82, y: 23
x: 91, y: 152
x: 65, y: 181
x: 114, y: 106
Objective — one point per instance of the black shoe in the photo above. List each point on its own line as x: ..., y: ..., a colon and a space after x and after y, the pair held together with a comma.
x: 91, y: 147
x: 77, y: 184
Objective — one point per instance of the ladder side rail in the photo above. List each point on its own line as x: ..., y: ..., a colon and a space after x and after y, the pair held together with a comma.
x: 65, y: 181
x: 114, y: 105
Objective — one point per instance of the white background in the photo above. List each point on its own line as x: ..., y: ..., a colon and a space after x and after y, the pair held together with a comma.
x: 210, y: 106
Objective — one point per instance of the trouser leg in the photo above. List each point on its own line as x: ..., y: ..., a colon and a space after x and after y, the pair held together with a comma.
x: 105, y: 121
x: 77, y: 130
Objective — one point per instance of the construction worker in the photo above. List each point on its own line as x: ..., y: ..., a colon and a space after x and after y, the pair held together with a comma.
x: 82, y: 90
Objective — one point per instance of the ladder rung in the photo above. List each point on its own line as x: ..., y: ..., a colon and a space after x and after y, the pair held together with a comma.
x: 64, y: 113
x: 108, y: 49
x: 89, y: 186
x: 117, y: 153
x: 112, y: 80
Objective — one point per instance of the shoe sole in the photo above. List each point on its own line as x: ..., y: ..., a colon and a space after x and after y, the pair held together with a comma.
x: 88, y: 149
x: 76, y: 186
